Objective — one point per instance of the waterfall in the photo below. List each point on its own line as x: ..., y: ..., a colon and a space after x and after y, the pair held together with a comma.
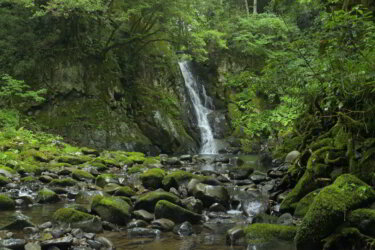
x: 197, y: 92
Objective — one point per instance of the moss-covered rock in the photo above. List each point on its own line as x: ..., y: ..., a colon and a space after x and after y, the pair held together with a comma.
x: 46, y: 195
x: 304, y: 204
x: 149, y: 200
x: 152, y: 178
x: 348, y: 238
x: 364, y: 220
x: 124, y: 191
x: 112, y: 209
x: 177, y: 178
x: 136, y: 169
x: 74, y: 159
x: 82, y: 175
x: 64, y: 182
x: 260, y: 233
x: 108, y: 162
x: 7, y: 172
x: 105, y: 179
x: 4, y: 180
x: 6, y: 203
x: 329, y: 210
x: 78, y: 219
x: 168, y: 210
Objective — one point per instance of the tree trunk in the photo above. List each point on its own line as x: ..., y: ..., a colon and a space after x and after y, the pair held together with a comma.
x: 247, y: 8
x: 255, y: 9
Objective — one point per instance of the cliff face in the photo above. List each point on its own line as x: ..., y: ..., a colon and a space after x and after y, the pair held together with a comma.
x: 93, y: 104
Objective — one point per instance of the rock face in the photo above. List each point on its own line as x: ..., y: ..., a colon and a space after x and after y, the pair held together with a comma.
x: 329, y: 210
x: 166, y: 209
x: 219, y: 124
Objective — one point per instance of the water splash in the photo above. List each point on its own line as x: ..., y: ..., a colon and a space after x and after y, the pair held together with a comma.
x: 201, y: 108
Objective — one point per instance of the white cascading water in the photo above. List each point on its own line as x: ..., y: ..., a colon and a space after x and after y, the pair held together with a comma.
x: 201, y: 110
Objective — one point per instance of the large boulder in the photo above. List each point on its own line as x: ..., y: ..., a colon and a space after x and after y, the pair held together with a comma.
x: 46, y: 195
x: 112, y: 209
x: 166, y: 209
x: 364, y: 220
x: 152, y: 178
x: 149, y: 200
x: 209, y: 194
x: 330, y: 208
x: 77, y: 219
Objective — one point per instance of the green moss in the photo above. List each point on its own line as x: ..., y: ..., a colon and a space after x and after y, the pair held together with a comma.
x: 292, y: 142
x: 125, y: 191
x: 7, y: 169
x: 6, y: 203
x: 260, y: 233
x: 28, y: 179
x: 70, y: 215
x: 81, y: 174
x: 166, y: 209
x: 364, y: 219
x: 46, y: 195
x: 177, y: 178
x: 107, y: 162
x: 73, y: 159
x: 26, y: 167
x: 112, y: 209
x: 152, y: 160
x: 304, y: 204
x: 330, y: 207
x: 4, y: 180
x: 152, y: 178
x: 65, y: 182
x: 99, y: 166
x: 136, y: 169
x: 149, y: 200
x: 348, y: 238
x: 103, y: 179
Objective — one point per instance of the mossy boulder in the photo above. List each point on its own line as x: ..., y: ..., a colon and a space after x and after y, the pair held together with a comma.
x: 4, y: 180
x: 364, y: 220
x: 108, y: 162
x: 136, y: 169
x: 74, y: 159
x: 330, y: 208
x: 82, y: 175
x: 260, y: 233
x: 104, y: 179
x: 304, y: 204
x: 90, y: 151
x: 152, y: 178
x: 46, y: 195
x: 149, y: 200
x: 112, y: 209
x: 64, y: 182
x: 124, y: 191
x: 177, y: 178
x: 209, y: 194
x: 168, y: 210
x: 7, y: 172
x: 78, y: 219
x: 348, y: 238
x: 6, y: 203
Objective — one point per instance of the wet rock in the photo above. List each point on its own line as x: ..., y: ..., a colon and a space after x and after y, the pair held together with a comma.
x: 193, y: 204
x: 106, y: 243
x: 176, y: 179
x: 17, y: 244
x: 258, y: 177
x: 82, y: 175
x: 185, y: 229
x: 64, y: 182
x: 222, y: 159
x: 4, y: 181
x: 47, y: 196
x: 172, y: 161
x: 240, y: 173
x: 144, y: 232
x: 163, y: 224
x: 187, y: 158
x: 143, y: 215
x: 58, y: 232
x: 149, y: 200
x: 166, y: 209
x: 253, y: 202
x: 33, y: 246
x: 6, y: 203
x: 110, y: 226
x: 104, y: 179
x: 234, y: 234
x: 210, y: 194
x: 292, y: 157
x: 258, y: 233
x: 63, y: 242
x: 94, y: 244
x: 45, y: 225
x: 125, y: 191
x: 86, y: 197
x: 137, y: 223
x: 20, y: 222
x: 364, y: 220
x: 152, y: 178
x: 275, y: 173
x: 285, y: 219
x: 112, y: 209
x: 217, y: 207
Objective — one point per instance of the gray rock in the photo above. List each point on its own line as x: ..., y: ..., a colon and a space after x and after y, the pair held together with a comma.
x: 234, y: 234
x: 292, y: 157
x: 240, y: 173
x: 210, y: 194
x: 13, y: 243
x: 185, y: 229
x: 144, y: 232
x: 188, y: 158
x: 193, y: 204
x: 163, y: 224
x: 258, y: 177
x: 106, y: 243
x: 143, y: 215
x: 33, y: 246
x: 137, y: 223
x: 286, y: 219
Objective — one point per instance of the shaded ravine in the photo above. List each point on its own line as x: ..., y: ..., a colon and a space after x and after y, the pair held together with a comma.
x: 202, y: 109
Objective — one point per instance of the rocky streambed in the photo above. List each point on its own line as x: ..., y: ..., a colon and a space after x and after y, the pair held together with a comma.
x: 108, y: 200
